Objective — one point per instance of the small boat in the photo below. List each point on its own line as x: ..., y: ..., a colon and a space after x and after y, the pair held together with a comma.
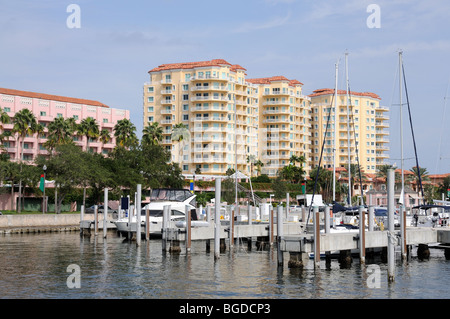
x: 177, y: 199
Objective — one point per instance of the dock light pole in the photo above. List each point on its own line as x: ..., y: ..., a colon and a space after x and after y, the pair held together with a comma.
x: 44, y: 168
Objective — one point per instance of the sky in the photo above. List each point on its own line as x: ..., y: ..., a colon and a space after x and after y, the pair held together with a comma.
x: 108, y: 57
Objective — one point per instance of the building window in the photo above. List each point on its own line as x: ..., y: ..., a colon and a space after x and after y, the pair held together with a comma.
x: 59, y: 115
x: 75, y: 117
x: 150, y: 109
x: 43, y: 113
x: 150, y: 99
x: 150, y: 89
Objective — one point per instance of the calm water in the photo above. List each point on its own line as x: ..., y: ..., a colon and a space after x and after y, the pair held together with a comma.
x: 35, y: 266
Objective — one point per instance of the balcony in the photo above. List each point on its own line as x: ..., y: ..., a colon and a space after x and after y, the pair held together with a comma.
x: 166, y: 81
x: 285, y: 102
x: 210, y: 98
x: 209, y: 88
x: 166, y: 101
x: 166, y: 92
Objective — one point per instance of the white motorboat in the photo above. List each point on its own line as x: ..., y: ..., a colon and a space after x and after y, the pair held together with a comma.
x: 177, y: 199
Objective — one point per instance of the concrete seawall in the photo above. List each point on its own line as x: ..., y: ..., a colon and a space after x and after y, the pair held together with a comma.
x: 43, y: 222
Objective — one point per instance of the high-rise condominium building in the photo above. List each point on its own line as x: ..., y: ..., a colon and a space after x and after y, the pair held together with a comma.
x: 46, y: 108
x: 218, y: 107
x: 283, y: 126
x: 234, y: 120
x: 362, y: 132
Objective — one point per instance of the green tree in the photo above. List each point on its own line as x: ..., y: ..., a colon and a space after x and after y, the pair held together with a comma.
x: 152, y: 134
x: 259, y: 164
x: 89, y: 128
x: 10, y: 172
x: 59, y: 132
x: 416, y: 179
x: 251, y: 160
x: 180, y: 134
x: 67, y: 168
x: 105, y: 136
x: 125, y: 133
x: 25, y: 124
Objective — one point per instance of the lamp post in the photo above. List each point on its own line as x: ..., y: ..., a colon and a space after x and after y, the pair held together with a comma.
x: 44, y: 168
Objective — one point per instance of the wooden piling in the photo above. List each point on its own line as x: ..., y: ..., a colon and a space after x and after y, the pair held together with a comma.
x: 391, y: 212
x: 138, y: 214
x: 105, y: 212
x: 95, y: 220
x: 280, y: 257
x: 217, y: 219
x: 404, y: 249
x: 147, y: 224
x: 316, y: 224
x: 188, y: 229
x: 327, y: 231
x: 270, y: 225
x: 165, y: 222
x: 362, y: 235
x: 231, y: 230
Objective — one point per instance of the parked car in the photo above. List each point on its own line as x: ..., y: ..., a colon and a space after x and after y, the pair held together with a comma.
x: 90, y: 210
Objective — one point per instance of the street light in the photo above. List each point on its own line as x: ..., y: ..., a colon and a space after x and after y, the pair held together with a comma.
x: 43, y: 200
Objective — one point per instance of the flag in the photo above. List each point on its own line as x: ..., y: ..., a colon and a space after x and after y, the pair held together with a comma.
x: 42, y: 183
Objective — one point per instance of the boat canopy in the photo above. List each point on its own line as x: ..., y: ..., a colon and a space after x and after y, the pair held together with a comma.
x: 169, y: 194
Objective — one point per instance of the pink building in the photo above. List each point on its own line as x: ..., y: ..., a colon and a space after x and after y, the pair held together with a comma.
x: 46, y: 108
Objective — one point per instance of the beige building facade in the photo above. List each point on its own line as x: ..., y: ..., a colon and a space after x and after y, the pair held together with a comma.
x: 234, y: 120
x: 361, y: 132
x: 283, y: 128
x: 218, y: 107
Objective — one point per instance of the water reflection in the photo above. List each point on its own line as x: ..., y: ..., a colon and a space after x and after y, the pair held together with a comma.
x: 35, y: 266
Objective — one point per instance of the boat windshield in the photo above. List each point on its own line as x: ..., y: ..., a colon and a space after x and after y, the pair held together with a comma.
x: 179, y: 195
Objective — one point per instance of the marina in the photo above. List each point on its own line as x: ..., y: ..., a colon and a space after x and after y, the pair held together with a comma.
x: 35, y: 266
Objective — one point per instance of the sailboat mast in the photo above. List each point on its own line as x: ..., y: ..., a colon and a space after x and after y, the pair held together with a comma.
x: 401, y: 125
x: 334, y: 132
x: 348, y: 133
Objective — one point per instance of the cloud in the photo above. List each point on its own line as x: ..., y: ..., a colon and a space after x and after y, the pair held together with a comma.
x: 255, y: 26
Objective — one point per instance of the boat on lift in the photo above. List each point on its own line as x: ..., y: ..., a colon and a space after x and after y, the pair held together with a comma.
x: 177, y: 199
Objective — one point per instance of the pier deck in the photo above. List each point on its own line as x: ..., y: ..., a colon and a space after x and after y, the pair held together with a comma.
x: 304, y: 243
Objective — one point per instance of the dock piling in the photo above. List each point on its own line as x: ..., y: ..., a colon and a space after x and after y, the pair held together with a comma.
x: 138, y: 214
x: 391, y: 212
x: 217, y: 219
x: 165, y: 222
x: 188, y: 229
x: 95, y: 220
x: 105, y: 212
x: 316, y: 224
x: 362, y: 235
x: 280, y: 234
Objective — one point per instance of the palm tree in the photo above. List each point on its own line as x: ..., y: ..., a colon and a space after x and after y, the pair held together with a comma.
x: 89, y: 128
x: 251, y: 159
x: 4, y: 118
x: 420, y: 175
x: 383, y: 170
x: 104, y: 137
x: 152, y: 134
x: 59, y: 132
x: 24, y: 124
x: 124, y: 131
x: 180, y: 134
x: 259, y: 164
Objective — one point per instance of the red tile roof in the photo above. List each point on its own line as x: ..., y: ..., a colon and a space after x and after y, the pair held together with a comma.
x: 191, y: 65
x: 274, y: 79
x: 44, y: 96
x: 343, y: 92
